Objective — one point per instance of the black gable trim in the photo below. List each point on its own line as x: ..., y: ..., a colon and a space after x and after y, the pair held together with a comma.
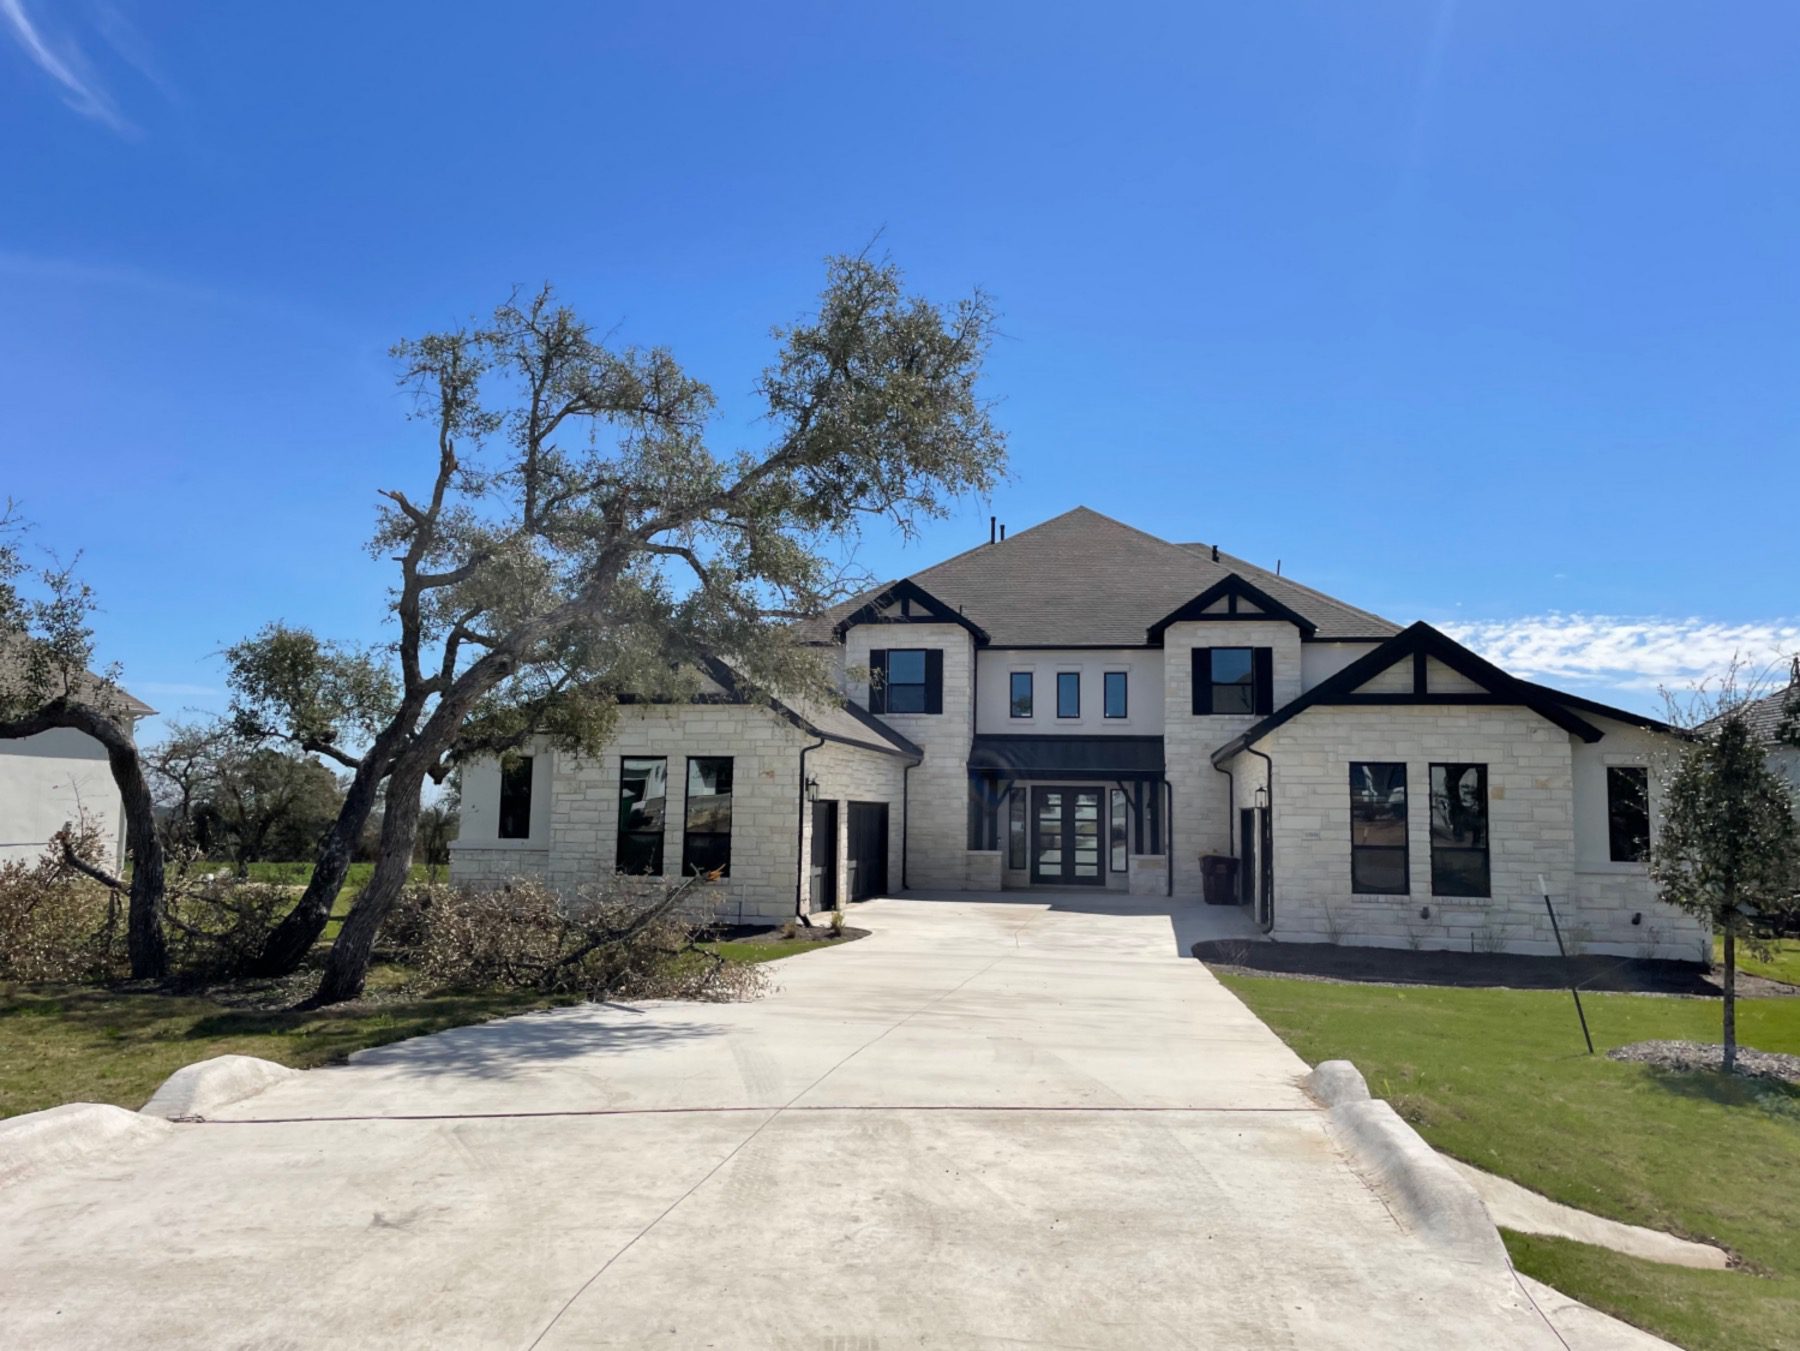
x: 912, y: 598
x: 883, y: 739
x: 1233, y: 590
x: 1419, y: 641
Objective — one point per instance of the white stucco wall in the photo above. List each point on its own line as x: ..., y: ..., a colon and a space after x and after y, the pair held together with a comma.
x: 46, y: 782
x: 1320, y: 660
x: 480, y: 810
x: 1143, y: 697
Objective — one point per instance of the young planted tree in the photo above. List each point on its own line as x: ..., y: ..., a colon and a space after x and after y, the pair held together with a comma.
x: 1729, y: 848
x: 582, y: 537
x: 46, y: 682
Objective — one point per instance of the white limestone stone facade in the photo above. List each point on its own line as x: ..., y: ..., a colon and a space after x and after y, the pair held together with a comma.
x: 1531, y: 826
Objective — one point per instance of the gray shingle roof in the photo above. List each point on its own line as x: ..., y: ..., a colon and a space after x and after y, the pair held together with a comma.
x: 1083, y: 579
x: 1764, y: 715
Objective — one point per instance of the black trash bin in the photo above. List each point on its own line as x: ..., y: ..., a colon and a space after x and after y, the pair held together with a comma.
x: 1218, y: 879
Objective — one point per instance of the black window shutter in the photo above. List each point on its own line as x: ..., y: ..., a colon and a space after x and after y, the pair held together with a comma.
x: 878, y: 680
x: 1263, y: 668
x: 934, y: 680
x: 1203, y: 680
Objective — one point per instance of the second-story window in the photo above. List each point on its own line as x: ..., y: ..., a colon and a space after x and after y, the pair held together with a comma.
x: 1020, y: 698
x: 1068, y: 694
x: 1234, y: 680
x: 1115, y: 694
x: 906, y: 680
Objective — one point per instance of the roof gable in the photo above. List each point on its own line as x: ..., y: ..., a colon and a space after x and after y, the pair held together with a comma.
x: 1231, y: 598
x: 1411, y: 653
x: 915, y: 605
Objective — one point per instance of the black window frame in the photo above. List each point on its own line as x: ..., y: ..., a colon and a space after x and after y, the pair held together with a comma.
x: 688, y: 833
x: 1012, y: 695
x: 652, y: 839
x: 1622, y: 846
x: 1261, y: 682
x: 1106, y: 689
x: 1118, y: 831
x: 1452, y: 814
x: 881, y: 685
x: 1075, y: 678
x: 513, y: 820
x: 1360, y: 850
x: 922, y: 685
x: 1246, y: 687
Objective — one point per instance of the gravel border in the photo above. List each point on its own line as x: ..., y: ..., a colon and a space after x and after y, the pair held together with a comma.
x: 1682, y: 1056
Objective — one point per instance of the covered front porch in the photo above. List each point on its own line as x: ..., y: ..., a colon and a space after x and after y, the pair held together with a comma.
x: 1078, y: 812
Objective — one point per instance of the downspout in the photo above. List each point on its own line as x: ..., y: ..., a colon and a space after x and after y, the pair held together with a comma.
x: 803, y: 868
x: 1230, y: 809
x: 1169, y: 839
x: 905, y: 816
x: 1269, y: 777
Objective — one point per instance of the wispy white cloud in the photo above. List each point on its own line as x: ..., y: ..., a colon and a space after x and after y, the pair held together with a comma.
x: 1623, y: 652
x: 63, y: 61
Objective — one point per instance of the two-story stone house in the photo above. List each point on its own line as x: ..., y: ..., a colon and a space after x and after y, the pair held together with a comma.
x: 1086, y: 706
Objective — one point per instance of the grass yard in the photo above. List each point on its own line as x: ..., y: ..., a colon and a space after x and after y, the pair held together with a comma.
x: 1499, y: 1078
x: 1783, y: 965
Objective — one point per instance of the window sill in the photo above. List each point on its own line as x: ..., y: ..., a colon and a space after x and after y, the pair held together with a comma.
x: 491, y: 846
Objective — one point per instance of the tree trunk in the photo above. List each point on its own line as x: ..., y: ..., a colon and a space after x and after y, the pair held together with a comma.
x: 294, y: 937
x: 143, y: 931
x: 347, y: 965
x: 1730, y: 1000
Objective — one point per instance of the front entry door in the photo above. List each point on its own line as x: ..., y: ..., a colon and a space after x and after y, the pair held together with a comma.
x: 1065, y: 836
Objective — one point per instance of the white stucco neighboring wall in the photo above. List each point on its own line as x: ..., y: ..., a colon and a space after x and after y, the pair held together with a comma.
x: 1143, y: 668
x: 1321, y: 660
x: 47, y: 781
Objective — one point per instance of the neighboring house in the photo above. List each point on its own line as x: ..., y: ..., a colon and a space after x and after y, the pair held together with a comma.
x: 1765, y: 716
x: 47, y: 781
x: 1085, y: 706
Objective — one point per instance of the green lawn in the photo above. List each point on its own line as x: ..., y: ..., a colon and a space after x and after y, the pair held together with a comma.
x: 1784, y: 965
x: 1500, y: 1079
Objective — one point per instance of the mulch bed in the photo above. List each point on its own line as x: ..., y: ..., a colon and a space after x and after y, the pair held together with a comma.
x: 1474, y: 970
x: 1700, y: 1055
x: 762, y: 933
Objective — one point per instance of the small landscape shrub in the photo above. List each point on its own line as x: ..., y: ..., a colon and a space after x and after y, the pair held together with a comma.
x: 56, y: 925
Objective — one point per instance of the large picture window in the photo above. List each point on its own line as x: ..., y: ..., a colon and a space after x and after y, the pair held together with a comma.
x: 1119, y: 831
x: 1628, y: 813
x: 1020, y: 706
x: 643, y: 794
x: 1378, y: 845
x: 1068, y: 694
x: 1114, y: 690
x: 706, y: 837
x: 515, y: 798
x: 1459, y: 830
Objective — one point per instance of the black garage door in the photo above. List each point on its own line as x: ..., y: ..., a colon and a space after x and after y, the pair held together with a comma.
x: 867, y: 847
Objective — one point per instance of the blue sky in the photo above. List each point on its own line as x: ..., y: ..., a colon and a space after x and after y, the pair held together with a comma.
x: 1478, y: 313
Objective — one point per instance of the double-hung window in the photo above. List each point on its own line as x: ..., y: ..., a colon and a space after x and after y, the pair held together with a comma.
x: 906, y: 680
x: 1234, y: 680
x: 1378, y: 852
x: 1114, y: 692
x: 1627, y: 813
x: 1068, y: 694
x: 643, y: 794
x: 1020, y: 695
x: 706, y: 835
x: 1459, y: 830
x: 515, y: 798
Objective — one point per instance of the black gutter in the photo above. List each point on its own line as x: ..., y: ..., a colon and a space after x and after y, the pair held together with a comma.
x: 1269, y: 774
x: 804, y: 868
x: 1169, y: 839
x: 905, y: 815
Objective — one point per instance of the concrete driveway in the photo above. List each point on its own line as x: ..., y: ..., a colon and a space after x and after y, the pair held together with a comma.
x: 993, y: 1124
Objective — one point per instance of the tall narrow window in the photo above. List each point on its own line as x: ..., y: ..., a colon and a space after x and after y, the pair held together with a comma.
x: 1015, y: 830
x: 1114, y: 692
x: 643, y: 793
x: 706, y: 839
x: 515, y: 798
x: 1459, y: 830
x: 1021, y: 694
x: 1119, y: 830
x: 1378, y: 857
x: 1068, y: 694
x: 1628, y: 813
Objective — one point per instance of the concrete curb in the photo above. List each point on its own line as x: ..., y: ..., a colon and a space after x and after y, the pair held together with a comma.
x: 1427, y: 1195
x: 207, y: 1085
x: 40, y: 1142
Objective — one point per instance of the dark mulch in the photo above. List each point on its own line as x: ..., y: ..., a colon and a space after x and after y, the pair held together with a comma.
x: 1504, y: 970
x: 763, y: 933
x: 1684, y: 1056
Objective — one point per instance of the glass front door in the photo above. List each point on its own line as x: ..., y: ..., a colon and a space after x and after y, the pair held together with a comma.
x: 1066, y: 836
